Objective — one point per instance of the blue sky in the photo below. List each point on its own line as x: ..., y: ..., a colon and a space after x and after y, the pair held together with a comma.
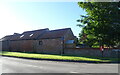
x: 25, y: 16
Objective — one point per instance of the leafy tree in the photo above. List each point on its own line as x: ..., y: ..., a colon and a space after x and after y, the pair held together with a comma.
x: 101, y: 23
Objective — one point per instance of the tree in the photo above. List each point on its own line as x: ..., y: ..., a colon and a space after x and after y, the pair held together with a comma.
x: 101, y: 23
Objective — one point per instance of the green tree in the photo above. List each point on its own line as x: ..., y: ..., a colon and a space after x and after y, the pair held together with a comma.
x: 101, y: 23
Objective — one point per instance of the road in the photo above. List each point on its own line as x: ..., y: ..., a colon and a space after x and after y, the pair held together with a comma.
x: 19, y: 65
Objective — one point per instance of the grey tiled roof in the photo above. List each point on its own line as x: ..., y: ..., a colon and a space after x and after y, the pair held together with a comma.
x: 55, y: 33
x: 37, y: 34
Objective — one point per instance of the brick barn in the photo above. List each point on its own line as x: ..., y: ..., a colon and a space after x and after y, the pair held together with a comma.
x: 40, y: 41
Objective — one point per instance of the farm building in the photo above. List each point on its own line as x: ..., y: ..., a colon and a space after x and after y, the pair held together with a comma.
x: 40, y: 41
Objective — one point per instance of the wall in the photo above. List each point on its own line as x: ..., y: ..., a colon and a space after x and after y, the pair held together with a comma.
x: 5, y: 45
x: 52, y: 46
x: 69, y: 36
x: 22, y: 45
x: 70, y: 45
x: 92, y: 52
x: 0, y: 45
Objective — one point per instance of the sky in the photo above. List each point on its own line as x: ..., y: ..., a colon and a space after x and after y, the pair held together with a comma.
x: 17, y: 17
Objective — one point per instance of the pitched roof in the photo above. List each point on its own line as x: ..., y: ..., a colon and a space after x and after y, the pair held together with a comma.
x: 55, y: 33
x: 6, y: 38
x: 33, y: 34
x: 15, y: 37
x: 38, y: 34
x: 27, y: 35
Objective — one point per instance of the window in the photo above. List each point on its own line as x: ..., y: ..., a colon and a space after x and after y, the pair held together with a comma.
x: 21, y: 36
x: 40, y: 42
x: 31, y: 35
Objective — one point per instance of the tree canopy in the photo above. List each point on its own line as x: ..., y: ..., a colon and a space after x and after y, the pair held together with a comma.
x: 101, y: 24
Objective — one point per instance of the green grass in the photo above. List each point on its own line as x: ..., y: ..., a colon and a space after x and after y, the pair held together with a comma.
x: 59, y: 57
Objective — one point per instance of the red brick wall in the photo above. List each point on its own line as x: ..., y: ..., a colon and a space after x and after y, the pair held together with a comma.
x: 69, y: 36
x: 5, y: 45
x: 52, y: 46
x: 92, y: 52
x: 0, y: 45
x: 22, y: 45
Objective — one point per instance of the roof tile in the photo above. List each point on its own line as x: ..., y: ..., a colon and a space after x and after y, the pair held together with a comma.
x: 37, y: 34
x: 55, y: 33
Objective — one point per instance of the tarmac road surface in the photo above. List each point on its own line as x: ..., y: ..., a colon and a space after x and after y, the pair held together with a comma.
x: 19, y: 65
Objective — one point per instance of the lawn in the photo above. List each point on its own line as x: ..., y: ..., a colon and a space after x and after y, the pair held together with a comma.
x: 58, y: 57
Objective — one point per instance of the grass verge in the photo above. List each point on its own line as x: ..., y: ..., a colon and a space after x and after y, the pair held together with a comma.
x: 58, y: 57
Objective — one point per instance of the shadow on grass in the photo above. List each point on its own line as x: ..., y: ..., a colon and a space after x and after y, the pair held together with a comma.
x: 95, y: 57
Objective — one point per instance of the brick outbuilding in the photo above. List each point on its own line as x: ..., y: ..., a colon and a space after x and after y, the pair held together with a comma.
x: 39, y: 41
